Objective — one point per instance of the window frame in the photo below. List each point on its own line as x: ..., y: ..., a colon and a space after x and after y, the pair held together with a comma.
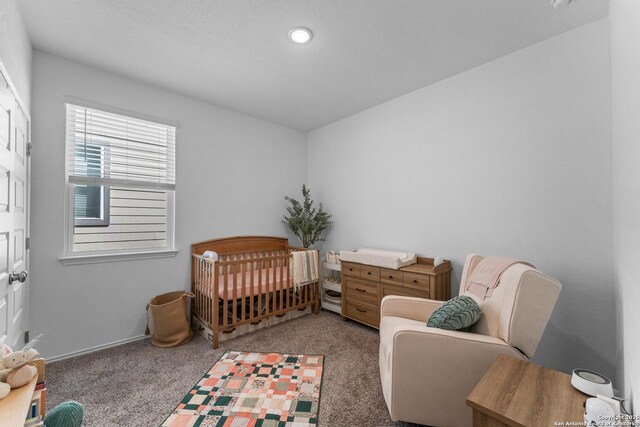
x: 71, y: 257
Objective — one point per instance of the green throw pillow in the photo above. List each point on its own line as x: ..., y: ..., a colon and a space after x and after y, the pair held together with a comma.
x: 67, y: 414
x: 457, y: 314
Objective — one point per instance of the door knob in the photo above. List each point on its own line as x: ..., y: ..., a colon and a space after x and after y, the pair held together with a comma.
x: 20, y: 277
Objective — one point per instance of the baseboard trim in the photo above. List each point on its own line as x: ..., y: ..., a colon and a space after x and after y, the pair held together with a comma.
x: 96, y: 348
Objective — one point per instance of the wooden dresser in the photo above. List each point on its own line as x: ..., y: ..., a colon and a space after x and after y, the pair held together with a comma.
x: 364, y: 286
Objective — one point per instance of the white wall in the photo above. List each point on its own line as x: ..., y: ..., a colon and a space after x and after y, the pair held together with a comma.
x: 15, y: 49
x: 232, y: 173
x: 511, y: 158
x: 625, y: 69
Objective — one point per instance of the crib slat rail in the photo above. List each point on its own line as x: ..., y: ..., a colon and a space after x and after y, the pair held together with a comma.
x: 246, y: 286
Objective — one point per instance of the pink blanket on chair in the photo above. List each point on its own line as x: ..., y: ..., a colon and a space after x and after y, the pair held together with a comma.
x: 486, y: 276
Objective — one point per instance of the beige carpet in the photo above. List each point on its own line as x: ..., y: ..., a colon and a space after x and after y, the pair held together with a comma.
x: 137, y: 384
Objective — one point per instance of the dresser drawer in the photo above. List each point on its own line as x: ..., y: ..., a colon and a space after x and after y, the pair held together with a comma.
x: 350, y: 269
x: 388, y: 289
x: 391, y: 276
x: 370, y: 273
x: 362, y: 291
x: 416, y: 281
x: 365, y: 313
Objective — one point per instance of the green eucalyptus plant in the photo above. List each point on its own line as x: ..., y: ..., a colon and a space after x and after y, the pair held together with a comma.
x: 305, y: 221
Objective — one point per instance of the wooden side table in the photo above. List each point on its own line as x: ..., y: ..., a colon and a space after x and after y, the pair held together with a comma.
x: 518, y: 393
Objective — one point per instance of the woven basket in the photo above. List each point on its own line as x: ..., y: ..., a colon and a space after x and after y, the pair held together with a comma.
x: 170, y: 319
x: 333, y: 296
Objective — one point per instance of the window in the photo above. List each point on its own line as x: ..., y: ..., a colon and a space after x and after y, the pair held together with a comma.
x: 91, y: 202
x: 120, y: 177
x: 91, y: 206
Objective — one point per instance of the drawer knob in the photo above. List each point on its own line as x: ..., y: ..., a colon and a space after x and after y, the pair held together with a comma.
x: 390, y: 277
x: 361, y: 310
x: 415, y: 281
x: 368, y: 272
x: 361, y: 290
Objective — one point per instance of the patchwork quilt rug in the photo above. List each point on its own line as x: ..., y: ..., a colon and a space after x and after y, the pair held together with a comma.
x: 254, y: 389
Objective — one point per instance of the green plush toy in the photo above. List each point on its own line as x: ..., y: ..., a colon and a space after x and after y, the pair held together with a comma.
x: 67, y: 414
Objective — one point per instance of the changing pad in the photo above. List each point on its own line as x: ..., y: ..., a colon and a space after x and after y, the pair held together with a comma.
x: 379, y: 257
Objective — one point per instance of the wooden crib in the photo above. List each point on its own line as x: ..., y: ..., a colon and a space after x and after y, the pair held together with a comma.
x: 250, y: 282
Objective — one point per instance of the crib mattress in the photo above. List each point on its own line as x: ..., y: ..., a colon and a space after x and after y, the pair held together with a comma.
x: 271, y: 280
x: 379, y: 257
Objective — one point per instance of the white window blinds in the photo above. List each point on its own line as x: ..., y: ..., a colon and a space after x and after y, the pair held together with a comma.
x: 109, y: 149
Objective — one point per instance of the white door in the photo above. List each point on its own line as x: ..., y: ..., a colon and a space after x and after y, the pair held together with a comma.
x: 14, y: 197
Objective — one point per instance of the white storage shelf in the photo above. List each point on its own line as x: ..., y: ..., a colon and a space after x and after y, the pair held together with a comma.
x: 332, y: 266
x: 332, y: 286
x: 331, y: 271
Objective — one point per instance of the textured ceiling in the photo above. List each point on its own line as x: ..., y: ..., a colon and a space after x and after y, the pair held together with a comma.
x: 236, y: 54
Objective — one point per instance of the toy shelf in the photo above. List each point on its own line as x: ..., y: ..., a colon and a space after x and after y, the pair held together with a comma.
x: 15, y: 407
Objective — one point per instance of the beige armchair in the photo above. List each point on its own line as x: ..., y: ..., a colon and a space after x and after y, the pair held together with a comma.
x: 427, y: 373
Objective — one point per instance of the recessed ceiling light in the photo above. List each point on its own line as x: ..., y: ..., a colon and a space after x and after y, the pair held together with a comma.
x: 300, y: 34
x: 559, y: 3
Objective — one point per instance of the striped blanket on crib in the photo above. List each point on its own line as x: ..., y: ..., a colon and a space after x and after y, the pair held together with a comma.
x: 305, y: 267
